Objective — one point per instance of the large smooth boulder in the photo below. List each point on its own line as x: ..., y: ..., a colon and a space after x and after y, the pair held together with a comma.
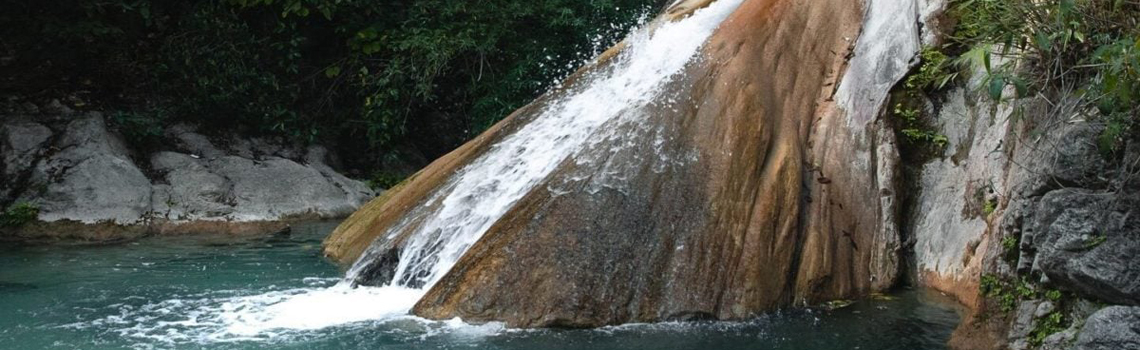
x: 91, y: 179
x: 221, y: 186
x: 1111, y: 328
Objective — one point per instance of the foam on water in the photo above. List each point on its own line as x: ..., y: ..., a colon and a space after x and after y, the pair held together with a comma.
x: 456, y: 216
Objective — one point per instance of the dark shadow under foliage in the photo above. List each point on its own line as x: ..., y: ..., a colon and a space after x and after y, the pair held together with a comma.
x: 375, y: 78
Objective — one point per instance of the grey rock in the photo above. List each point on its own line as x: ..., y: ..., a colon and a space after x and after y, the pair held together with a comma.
x: 1112, y: 328
x: 91, y: 133
x: 1075, y: 157
x: 87, y: 174
x: 188, y: 140
x: 56, y: 107
x: 20, y: 145
x: 29, y: 108
x: 1023, y: 319
x: 198, y: 194
x: 168, y: 161
x: 1084, y: 246
x: 279, y: 187
x: 1059, y: 341
x: 1044, y: 309
x: 92, y: 179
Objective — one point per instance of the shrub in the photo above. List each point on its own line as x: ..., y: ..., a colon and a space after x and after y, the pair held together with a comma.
x: 1087, y: 46
x: 19, y: 214
x: 365, y: 73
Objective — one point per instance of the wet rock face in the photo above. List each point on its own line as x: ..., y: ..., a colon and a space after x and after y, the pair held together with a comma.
x: 82, y: 173
x: 738, y: 199
x: 1111, y: 328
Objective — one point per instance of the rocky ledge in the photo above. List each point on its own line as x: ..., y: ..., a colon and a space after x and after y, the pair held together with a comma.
x: 85, y: 183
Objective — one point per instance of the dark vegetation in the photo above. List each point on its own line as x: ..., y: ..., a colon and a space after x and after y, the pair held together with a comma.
x: 379, y: 80
x: 18, y: 214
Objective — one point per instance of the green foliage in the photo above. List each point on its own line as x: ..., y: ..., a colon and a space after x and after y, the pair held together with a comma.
x: 19, y: 214
x: 141, y: 129
x: 914, y: 130
x: 934, y: 72
x: 1086, y: 45
x: 1046, y: 326
x: 989, y: 207
x: 383, y: 180
x: 1006, y: 294
x: 1053, y: 294
x: 366, y: 73
x: 917, y: 138
x: 1096, y: 241
x: 1010, y: 248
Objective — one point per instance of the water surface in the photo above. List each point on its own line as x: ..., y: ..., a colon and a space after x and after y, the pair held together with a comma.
x: 223, y: 292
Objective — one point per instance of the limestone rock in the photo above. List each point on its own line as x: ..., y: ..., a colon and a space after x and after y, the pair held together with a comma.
x: 1111, y: 328
x: 949, y: 221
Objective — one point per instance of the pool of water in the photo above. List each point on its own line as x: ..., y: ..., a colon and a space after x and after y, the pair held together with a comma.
x: 224, y: 292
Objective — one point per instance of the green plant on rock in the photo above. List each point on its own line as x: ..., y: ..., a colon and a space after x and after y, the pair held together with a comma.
x: 1095, y: 241
x: 914, y: 131
x: 383, y: 180
x: 19, y: 214
x: 989, y: 207
x: 934, y: 73
x: 1010, y: 248
x: 1086, y: 48
x: 1046, y: 326
x: 1053, y: 295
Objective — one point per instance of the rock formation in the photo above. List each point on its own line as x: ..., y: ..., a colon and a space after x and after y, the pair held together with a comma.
x: 764, y: 205
x: 88, y: 184
x: 767, y: 176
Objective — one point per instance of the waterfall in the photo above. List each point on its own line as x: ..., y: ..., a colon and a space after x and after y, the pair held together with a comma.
x: 473, y: 199
x: 465, y: 206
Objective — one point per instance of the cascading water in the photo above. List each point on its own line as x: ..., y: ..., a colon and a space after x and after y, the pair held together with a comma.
x: 465, y: 206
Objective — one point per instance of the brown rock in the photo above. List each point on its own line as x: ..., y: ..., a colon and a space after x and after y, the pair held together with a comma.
x: 743, y: 228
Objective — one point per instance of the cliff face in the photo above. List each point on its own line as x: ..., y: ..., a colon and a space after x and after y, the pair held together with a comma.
x: 767, y: 180
x: 1022, y: 197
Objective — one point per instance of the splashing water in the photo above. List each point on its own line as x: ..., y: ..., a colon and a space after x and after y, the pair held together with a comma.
x: 466, y: 206
x: 458, y: 213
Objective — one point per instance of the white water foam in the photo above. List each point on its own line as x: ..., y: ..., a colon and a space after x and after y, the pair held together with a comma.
x: 456, y: 216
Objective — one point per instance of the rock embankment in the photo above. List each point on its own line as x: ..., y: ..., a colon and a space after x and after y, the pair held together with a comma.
x: 88, y: 184
x: 1024, y: 200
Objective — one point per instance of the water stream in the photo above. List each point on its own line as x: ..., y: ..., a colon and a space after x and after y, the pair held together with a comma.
x: 226, y: 292
x: 223, y: 292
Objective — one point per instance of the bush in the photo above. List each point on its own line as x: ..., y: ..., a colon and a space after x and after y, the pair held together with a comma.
x: 1087, y: 46
x: 19, y: 214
